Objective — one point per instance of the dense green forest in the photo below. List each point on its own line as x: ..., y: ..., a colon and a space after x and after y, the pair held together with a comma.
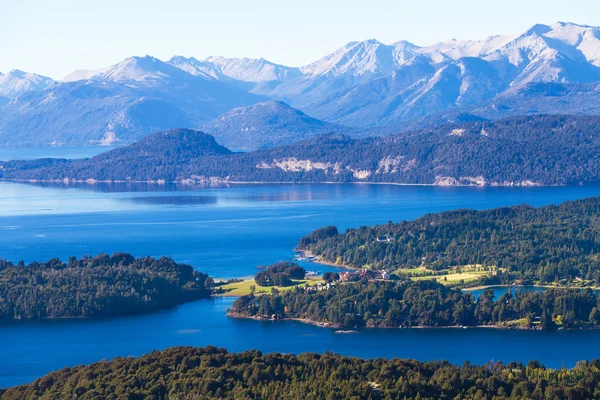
x: 424, y: 303
x: 527, y: 150
x: 542, y: 244
x: 280, y: 274
x: 211, y: 373
x: 96, y: 286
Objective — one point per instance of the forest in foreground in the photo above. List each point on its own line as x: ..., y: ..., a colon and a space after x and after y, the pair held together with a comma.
x: 424, y: 304
x: 203, y: 373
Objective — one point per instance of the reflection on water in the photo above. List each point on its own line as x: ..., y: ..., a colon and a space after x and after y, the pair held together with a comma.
x: 124, y: 187
x: 228, y: 232
x: 182, y: 199
x: 501, y: 290
x: 175, y: 200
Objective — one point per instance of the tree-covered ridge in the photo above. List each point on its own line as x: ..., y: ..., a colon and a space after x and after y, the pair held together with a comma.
x: 211, y: 373
x: 97, y: 286
x: 526, y: 150
x: 424, y: 304
x: 541, y: 244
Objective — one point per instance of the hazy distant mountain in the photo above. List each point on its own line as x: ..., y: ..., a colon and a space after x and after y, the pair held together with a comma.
x: 364, y: 84
x: 267, y: 124
x: 518, y: 151
x: 119, y: 104
x: 18, y: 82
x: 256, y: 75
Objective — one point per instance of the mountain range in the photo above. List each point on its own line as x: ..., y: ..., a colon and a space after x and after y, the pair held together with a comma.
x: 366, y: 84
x: 516, y: 151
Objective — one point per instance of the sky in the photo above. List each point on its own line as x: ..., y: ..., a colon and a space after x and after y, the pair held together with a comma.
x: 53, y: 38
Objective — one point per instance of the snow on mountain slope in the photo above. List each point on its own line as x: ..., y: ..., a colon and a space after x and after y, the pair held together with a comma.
x: 456, y: 49
x: 357, y: 84
x: 585, y: 38
x: 251, y: 74
x: 364, y: 83
x: 18, y: 82
x: 369, y: 57
x: 121, y: 103
x: 82, y: 75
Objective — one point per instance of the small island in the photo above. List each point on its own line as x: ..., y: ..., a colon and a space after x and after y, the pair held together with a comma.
x: 97, y: 286
x: 422, y: 304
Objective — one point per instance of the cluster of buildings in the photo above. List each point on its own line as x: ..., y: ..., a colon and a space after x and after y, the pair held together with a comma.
x: 372, y: 275
x: 319, y: 287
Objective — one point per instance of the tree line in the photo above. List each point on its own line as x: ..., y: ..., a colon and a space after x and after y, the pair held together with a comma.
x: 427, y: 303
x: 96, y: 286
x: 544, y: 244
x: 523, y: 150
x: 280, y: 274
x: 212, y: 373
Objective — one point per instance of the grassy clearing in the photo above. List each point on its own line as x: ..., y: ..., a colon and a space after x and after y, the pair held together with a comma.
x: 243, y: 288
x: 452, y: 278
x: 466, y: 273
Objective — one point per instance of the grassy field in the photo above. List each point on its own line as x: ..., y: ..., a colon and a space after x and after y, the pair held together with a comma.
x: 465, y: 273
x: 243, y: 288
x: 453, y: 278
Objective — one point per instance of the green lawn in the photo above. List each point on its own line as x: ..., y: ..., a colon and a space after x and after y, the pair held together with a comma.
x: 453, y: 278
x: 243, y: 288
x: 466, y: 273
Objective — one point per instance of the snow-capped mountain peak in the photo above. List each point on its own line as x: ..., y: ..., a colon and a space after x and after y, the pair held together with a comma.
x: 17, y: 82
x: 245, y: 69
x: 135, y: 69
x: 132, y: 69
x: 366, y: 58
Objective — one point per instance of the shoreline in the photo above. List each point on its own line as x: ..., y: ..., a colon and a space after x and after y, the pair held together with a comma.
x: 218, y: 182
x: 338, y: 327
x: 486, y: 287
x: 317, y: 260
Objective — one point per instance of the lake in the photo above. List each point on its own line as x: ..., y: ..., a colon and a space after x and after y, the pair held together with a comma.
x: 227, y: 232
x: 7, y: 154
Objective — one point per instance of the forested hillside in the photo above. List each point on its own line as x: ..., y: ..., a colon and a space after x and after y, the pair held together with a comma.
x: 522, y: 151
x: 541, y: 244
x: 211, y: 373
x: 97, y: 286
x: 424, y: 304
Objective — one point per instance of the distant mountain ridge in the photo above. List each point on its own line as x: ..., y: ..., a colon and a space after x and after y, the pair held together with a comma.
x: 267, y: 124
x: 364, y: 84
x: 18, y: 82
x: 517, y: 151
x: 117, y: 105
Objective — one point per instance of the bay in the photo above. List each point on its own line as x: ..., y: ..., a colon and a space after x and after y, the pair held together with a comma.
x: 227, y: 232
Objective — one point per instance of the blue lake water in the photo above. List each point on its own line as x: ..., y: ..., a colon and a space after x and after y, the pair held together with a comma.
x: 227, y: 232
x: 7, y: 154
x: 501, y: 290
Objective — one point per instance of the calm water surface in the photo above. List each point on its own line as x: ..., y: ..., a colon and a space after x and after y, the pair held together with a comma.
x: 227, y: 232
x: 7, y: 154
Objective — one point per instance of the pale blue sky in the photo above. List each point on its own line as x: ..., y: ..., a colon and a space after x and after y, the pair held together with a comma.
x: 55, y: 37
